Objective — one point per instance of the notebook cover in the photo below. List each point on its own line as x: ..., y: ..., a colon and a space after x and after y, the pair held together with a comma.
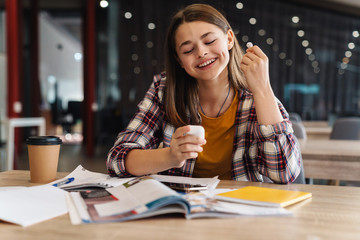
x: 275, y: 197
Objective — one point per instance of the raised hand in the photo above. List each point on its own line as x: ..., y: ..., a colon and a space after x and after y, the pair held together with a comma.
x: 255, y: 66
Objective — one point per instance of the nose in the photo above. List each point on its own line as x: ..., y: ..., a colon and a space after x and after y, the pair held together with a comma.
x: 202, y: 55
x: 202, y: 52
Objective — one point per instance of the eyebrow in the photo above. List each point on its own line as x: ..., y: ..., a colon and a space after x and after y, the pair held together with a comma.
x: 188, y: 42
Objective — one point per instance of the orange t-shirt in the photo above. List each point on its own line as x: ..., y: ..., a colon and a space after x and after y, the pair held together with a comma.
x: 216, y: 158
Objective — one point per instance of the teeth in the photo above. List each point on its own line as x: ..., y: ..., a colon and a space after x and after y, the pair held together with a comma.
x: 207, y: 63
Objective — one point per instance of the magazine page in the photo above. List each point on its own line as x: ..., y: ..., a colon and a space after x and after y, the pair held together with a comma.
x: 201, y: 205
x: 138, y: 198
x: 207, y: 183
x: 82, y: 178
x: 151, y: 193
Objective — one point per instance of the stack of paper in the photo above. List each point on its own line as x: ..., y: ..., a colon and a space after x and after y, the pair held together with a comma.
x: 29, y: 205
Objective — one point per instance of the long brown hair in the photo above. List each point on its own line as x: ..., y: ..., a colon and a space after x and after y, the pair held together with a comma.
x: 181, y: 91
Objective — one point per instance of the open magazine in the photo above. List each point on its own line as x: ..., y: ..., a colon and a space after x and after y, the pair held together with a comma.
x: 143, y: 197
x: 83, y: 179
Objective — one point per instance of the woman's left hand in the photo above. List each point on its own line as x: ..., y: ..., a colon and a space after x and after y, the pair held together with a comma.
x: 255, y: 66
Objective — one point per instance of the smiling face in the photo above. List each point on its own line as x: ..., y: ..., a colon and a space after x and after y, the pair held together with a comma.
x: 203, y: 49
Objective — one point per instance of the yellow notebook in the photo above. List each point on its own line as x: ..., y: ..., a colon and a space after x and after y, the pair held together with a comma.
x: 264, y: 196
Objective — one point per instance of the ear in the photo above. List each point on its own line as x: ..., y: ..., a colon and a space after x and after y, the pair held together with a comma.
x: 230, y: 37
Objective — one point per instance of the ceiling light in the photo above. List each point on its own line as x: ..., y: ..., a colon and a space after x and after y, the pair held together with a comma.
x: 300, y: 33
x: 269, y: 41
x: 261, y: 32
x: 151, y: 26
x: 308, y: 51
x: 351, y: 45
x: 104, y: 3
x: 239, y: 5
x: 348, y: 54
x: 252, y: 21
x: 295, y: 19
x: 305, y: 43
x: 128, y: 15
x: 355, y: 34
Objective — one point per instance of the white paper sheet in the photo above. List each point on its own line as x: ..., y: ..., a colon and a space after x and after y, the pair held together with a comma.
x: 211, y: 183
x: 11, y: 188
x: 85, y: 177
x: 30, y: 205
x: 73, y: 213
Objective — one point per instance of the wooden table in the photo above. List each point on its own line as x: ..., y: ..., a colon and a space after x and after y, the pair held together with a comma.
x: 317, y: 129
x: 332, y: 159
x: 318, y: 132
x: 332, y: 213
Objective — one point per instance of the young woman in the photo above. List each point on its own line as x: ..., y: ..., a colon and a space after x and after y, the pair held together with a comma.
x: 209, y: 81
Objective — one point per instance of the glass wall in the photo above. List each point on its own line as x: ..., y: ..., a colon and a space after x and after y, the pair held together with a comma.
x: 61, y: 68
x: 313, y: 54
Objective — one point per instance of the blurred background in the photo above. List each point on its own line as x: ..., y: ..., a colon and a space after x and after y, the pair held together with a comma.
x: 84, y: 65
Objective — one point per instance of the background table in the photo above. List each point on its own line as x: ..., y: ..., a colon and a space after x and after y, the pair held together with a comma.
x: 317, y: 129
x: 332, y: 213
x: 10, y: 125
x: 332, y: 159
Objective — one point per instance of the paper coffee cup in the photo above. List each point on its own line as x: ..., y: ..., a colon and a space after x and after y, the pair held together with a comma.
x: 43, y: 152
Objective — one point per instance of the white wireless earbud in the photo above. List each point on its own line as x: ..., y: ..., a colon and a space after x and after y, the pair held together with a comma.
x: 197, y: 130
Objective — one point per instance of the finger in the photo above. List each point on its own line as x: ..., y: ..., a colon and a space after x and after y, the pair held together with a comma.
x: 191, y: 140
x: 243, y: 67
x: 190, y: 155
x: 188, y: 147
x: 186, y: 156
x: 246, y: 60
x: 181, y: 131
x: 258, y: 52
x: 251, y: 56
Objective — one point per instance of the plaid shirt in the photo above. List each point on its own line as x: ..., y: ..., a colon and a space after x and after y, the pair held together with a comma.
x: 269, y: 150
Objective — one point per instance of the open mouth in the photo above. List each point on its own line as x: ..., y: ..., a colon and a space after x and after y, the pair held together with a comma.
x: 207, y: 63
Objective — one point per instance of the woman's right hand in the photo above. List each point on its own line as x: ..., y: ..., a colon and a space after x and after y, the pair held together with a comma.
x: 184, y: 146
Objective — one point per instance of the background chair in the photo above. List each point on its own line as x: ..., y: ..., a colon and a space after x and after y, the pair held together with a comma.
x: 294, y: 117
x: 346, y: 128
x: 299, y: 130
x: 301, y: 178
x: 71, y: 116
x: 300, y: 134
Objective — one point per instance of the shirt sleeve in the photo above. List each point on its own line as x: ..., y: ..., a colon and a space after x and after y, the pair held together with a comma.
x: 142, y: 131
x: 279, y: 156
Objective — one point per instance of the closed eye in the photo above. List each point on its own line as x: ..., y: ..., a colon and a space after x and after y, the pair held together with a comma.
x: 208, y: 43
x: 187, y: 52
